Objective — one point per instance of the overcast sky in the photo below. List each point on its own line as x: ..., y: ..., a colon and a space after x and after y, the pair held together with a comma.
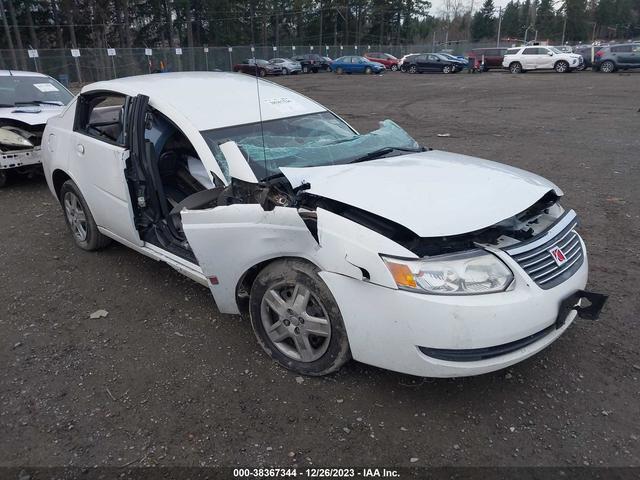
x: 437, y: 6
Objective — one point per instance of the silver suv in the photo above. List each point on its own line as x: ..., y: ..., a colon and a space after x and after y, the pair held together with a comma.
x: 615, y: 57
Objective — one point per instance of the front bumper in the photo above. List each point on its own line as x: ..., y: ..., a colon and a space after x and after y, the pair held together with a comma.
x: 393, y: 329
x: 20, y: 158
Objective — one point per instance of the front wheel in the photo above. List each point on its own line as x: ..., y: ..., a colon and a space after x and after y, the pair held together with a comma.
x: 262, y: 72
x: 607, y: 66
x: 80, y: 220
x: 285, y: 71
x: 561, y: 67
x: 296, y: 319
x: 447, y: 69
x: 367, y: 71
x: 515, y: 67
x: 394, y: 68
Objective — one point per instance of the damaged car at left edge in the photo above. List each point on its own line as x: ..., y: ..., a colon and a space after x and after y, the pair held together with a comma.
x: 27, y: 101
x: 335, y: 244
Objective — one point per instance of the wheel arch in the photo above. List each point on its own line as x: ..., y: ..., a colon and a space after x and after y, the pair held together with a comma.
x: 243, y: 287
x: 58, y: 177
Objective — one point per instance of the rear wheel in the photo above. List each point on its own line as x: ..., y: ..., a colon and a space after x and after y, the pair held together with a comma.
x: 285, y: 71
x: 561, y: 67
x: 262, y: 72
x: 447, y: 69
x: 607, y: 66
x: 515, y: 67
x: 413, y: 69
x: 394, y: 68
x: 80, y: 220
x: 296, y: 319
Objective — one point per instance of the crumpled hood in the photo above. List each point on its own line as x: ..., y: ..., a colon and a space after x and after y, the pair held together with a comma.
x: 31, y: 114
x: 433, y: 193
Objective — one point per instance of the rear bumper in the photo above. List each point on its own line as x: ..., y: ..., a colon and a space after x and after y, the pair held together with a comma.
x: 20, y: 158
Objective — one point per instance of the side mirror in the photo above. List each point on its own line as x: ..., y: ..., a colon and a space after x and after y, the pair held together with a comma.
x: 550, y: 54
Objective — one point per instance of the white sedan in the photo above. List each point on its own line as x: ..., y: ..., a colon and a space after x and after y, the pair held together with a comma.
x: 335, y: 244
x: 27, y: 101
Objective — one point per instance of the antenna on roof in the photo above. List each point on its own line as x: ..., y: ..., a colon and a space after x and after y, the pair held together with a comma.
x: 257, y: 71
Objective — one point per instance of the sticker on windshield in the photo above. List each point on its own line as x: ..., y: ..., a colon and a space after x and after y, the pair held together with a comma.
x: 284, y: 104
x: 46, y: 87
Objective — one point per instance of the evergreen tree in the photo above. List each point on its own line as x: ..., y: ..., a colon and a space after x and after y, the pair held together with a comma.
x: 545, y: 19
x: 511, y: 25
x: 483, y: 24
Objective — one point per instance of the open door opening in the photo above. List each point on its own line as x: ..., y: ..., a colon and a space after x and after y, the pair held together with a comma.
x: 165, y: 175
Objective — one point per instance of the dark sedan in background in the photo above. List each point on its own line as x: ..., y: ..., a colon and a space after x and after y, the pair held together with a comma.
x: 430, y: 62
x: 257, y: 67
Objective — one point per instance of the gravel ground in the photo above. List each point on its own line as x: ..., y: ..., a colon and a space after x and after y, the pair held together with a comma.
x: 165, y: 379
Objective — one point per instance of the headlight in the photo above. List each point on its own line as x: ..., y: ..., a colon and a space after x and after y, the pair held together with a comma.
x: 465, y: 273
x: 12, y: 139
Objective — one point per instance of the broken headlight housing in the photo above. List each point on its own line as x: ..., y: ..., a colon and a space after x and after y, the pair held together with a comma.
x: 10, y: 138
x: 465, y: 273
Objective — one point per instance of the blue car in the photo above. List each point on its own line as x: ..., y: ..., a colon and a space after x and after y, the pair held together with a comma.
x: 356, y: 64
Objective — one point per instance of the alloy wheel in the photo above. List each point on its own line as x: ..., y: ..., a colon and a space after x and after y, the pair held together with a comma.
x: 413, y: 69
x: 446, y: 69
x: 394, y: 68
x: 285, y: 71
x: 515, y: 68
x: 75, y: 216
x: 562, y: 67
x: 607, y: 67
x: 296, y: 322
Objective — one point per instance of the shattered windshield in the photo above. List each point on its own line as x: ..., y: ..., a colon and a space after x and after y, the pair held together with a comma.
x: 24, y: 90
x: 311, y: 140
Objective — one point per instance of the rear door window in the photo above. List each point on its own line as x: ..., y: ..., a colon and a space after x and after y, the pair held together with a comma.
x: 102, y: 116
x: 622, y: 49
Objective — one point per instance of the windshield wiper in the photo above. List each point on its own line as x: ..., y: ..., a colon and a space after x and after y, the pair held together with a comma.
x: 42, y: 102
x: 382, y: 152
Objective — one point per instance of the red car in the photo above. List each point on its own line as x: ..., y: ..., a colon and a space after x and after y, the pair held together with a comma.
x: 386, y: 59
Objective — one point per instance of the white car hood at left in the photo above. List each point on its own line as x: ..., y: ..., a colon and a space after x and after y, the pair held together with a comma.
x: 31, y: 114
x: 433, y: 194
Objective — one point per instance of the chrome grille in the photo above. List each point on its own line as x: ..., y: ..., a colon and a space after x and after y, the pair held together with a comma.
x: 534, y: 256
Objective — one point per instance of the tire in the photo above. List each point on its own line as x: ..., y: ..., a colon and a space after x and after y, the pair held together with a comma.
x: 561, y: 67
x: 3, y: 178
x: 447, y: 69
x: 394, y: 68
x: 368, y: 71
x: 262, y: 72
x: 413, y: 69
x: 284, y: 293
x: 305, y: 69
x: 79, y: 219
x: 607, y: 66
x: 339, y: 71
x: 285, y: 71
x: 515, y: 67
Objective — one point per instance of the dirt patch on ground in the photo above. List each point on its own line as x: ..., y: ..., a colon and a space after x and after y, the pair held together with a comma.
x: 165, y: 379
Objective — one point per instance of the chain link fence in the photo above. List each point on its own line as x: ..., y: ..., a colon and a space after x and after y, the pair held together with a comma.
x: 93, y: 64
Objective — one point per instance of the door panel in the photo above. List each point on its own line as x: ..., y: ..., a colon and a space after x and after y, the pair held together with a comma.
x: 99, y: 169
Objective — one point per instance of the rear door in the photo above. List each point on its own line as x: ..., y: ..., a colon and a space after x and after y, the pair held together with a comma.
x: 622, y: 54
x: 530, y: 58
x: 100, y: 151
x: 421, y: 63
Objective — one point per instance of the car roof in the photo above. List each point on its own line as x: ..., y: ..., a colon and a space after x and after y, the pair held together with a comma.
x: 210, y: 100
x: 21, y: 73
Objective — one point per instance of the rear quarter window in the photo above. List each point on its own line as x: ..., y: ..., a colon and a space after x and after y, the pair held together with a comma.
x: 621, y: 48
x: 512, y: 51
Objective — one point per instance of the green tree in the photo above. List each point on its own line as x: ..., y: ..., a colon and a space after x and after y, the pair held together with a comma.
x: 483, y: 24
x: 511, y: 25
x: 576, y: 12
x: 545, y: 19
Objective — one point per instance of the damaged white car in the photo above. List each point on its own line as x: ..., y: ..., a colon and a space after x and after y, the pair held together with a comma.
x: 336, y: 245
x: 27, y: 101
